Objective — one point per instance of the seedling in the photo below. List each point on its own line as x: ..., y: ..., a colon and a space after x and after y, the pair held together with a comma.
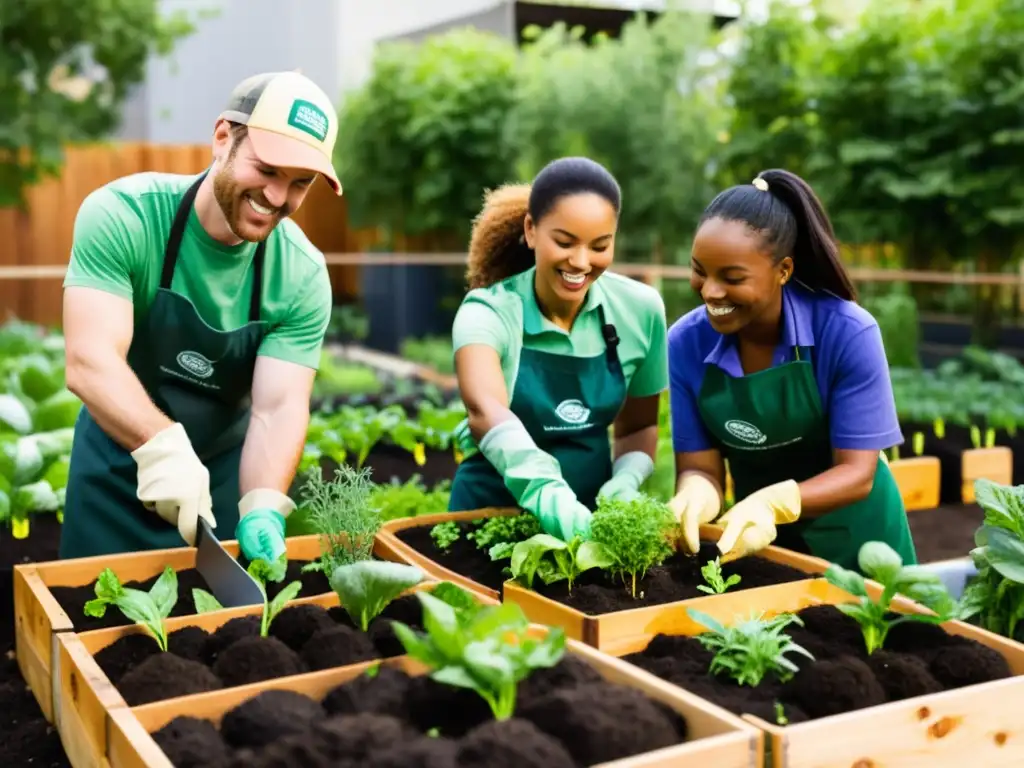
x: 712, y: 573
x: 882, y: 563
x: 636, y: 535
x: 444, y: 535
x: 263, y: 571
x: 343, y: 514
x: 487, y: 649
x: 148, y: 609
x: 749, y: 650
x: 366, y: 588
x: 552, y: 559
x: 204, y: 601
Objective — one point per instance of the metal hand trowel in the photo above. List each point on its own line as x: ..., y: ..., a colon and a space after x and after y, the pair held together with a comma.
x: 227, y: 579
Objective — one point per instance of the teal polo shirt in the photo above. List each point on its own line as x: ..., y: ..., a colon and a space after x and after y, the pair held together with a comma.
x: 505, y: 316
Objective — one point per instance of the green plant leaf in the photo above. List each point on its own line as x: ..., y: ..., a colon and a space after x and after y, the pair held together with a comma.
x: 366, y: 588
x: 204, y: 601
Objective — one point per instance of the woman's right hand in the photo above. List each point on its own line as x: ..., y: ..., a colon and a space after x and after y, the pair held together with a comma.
x: 697, y: 502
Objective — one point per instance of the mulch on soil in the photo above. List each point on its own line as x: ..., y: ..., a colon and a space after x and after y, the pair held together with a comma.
x: 917, y: 659
x: 566, y: 717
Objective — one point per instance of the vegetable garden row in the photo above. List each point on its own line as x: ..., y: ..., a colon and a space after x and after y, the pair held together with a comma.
x: 474, y: 639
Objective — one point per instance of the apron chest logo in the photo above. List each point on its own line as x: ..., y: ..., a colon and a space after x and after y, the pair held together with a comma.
x: 195, y: 364
x: 572, y: 411
x: 745, y: 431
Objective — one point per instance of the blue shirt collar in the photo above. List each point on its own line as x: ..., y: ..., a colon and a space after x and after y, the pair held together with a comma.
x: 797, y: 328
x: 534, y: 321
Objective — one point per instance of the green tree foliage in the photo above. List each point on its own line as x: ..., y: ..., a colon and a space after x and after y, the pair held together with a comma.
x: 66, y: 67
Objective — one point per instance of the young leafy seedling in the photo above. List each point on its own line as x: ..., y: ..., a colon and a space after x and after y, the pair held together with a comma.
x: 444, y: 535
x: 148, y: 609
x: 487, y: 649
x: 748, y: 650
x: 636, y: 534
x: 262, y: 572
x: 566, y: 562
x: 884, y: 565
x: 204, y: 601
x: 366, y: 588
x: 712, y: 573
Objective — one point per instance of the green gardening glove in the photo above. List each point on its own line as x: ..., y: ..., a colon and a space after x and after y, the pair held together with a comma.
x: 535, y: 480
x: 261, y: 524
x: 629, y: 472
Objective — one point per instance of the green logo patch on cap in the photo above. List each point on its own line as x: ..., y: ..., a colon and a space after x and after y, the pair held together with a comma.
x: 308, y: 117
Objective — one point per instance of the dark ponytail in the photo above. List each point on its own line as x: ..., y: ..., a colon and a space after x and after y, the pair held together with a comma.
x: 792, y: 221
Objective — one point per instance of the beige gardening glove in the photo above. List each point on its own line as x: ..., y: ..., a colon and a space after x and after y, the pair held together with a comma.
x: 697, y: 502
x: 750, y: 524
x: 173, y: 482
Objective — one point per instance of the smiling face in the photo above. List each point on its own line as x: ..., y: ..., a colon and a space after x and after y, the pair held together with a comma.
x: 733, y: 272
x: 574, y: 244
x: 254, y: 196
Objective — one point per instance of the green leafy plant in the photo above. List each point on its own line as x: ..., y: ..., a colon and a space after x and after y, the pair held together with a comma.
x: 884, y: 565
x: 749, y: 650
x: 343, y: 514
x: 148, y: 609
x: 487, y: 649
x: 262, y: 572
x: 555, y: 560
x: 444, y: 535
x: 712, y: 573
x: 503, y: 529
x: 204, y: 601
x: 410, y: 499
x: 636, y: 534
x: 367, y: 587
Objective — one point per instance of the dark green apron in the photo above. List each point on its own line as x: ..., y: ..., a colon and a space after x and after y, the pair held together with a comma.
x: 566, y: 404
x: 771, y: 427
x: 198, y: 376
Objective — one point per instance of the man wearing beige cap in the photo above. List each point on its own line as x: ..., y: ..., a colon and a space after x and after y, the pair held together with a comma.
x: 194, y: 316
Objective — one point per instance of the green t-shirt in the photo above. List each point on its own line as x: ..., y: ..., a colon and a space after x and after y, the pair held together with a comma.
x: 120, y: 234
x: 505, y: 316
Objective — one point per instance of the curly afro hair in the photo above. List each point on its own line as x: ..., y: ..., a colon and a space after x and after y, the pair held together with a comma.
x: 497, y: 246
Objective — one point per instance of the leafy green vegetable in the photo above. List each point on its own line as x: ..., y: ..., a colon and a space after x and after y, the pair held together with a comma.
x: 637, y: 534
x: 366, y: 588
x: 488, y: 650
x: 884, y: 565
x: 751, y: 649
x: 712, y: 573
x: 553, y: 559
x: 444, y: 535
x: 504, y: 529
x: 262, y: 572
x: 204, y: 601
x: 148, y: 609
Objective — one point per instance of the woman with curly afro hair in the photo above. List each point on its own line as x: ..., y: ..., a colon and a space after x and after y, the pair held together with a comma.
x: 551, y: 350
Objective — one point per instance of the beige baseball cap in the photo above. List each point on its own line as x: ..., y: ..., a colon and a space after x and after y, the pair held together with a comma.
x: 291, y: 122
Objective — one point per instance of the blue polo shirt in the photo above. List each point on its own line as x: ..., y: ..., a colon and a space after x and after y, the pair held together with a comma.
x: 847, y: 355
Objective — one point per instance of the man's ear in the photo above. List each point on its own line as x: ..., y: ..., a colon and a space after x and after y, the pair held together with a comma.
x: 221, y: 139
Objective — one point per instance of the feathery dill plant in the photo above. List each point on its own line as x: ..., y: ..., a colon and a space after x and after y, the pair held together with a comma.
x: 344, y: 515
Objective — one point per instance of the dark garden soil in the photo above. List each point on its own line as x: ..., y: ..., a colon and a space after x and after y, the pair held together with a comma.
x: 73, y: 599
x: 595, y: 592
x: 566, y: 717
x: 302, y: 638
x: 946, y: 532
x: 917, y: 659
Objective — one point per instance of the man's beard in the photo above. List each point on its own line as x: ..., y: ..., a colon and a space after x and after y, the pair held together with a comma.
x: 230, y: 197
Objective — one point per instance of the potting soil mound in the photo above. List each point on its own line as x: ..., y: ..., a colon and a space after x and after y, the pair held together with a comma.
x: 596, y: 591
x: 917, y: 659
x: 302, y: 638
x: 73, y: 599
x: 566, y: 717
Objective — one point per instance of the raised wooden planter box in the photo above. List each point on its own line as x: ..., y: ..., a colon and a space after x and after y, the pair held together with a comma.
x: 995, y: 464
x: 717, y: 738
x: 38, y: 617
x: 978, y: 725
x: 919, y: 479
x: 85, y: 696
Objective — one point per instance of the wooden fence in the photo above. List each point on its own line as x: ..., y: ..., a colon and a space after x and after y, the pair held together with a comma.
x: 41, y: 235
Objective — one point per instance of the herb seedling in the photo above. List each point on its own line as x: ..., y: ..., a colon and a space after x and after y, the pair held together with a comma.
x: 148, y: 609
x: 750, y: 649
x: 444, y: 535
x: 262, y: 572
x: 488, y: 650
x: 567, y: 560
x: 343, y: 514
x: 504, y: 529
x: 636, y: 534
x: 712, y: 573
x: 366, y: 588
x: 884, y: 565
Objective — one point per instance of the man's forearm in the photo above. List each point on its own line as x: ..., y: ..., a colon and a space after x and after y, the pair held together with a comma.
x: 273, y: 447
x: 116, y: 400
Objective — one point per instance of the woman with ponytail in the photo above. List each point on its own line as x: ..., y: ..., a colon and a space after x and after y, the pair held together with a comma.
x: 551, y: 350
x: 781, y: 373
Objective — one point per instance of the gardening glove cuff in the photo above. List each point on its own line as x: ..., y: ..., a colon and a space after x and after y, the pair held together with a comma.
x: 696, y: 503
x: 260, y: 535
x: 173, y: 482
x: 265, y: 498
x: 629, y: 472
x: 534, y: 478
